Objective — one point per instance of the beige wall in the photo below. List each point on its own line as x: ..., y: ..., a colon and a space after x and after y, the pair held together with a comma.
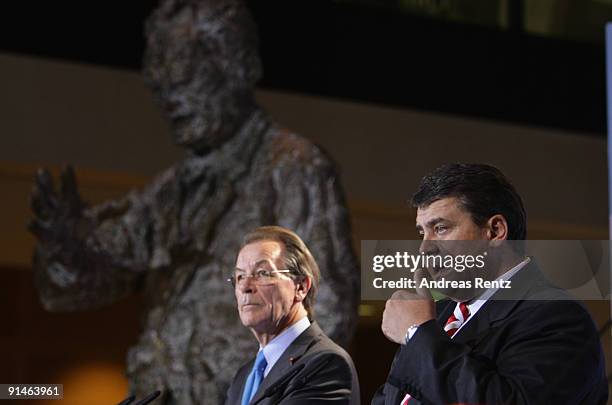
x: 383, y: 152
x: 104, y: 121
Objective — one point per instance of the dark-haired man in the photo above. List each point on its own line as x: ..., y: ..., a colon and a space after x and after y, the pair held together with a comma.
x: 531, y: 344
x: 275, y: 282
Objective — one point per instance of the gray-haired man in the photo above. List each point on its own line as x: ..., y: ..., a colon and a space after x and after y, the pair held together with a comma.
x: 275, y: 282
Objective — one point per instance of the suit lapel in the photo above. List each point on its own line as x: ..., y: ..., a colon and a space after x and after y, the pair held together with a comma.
x: 287, y: 361
x: 236, y: 390
x: 501, y: 304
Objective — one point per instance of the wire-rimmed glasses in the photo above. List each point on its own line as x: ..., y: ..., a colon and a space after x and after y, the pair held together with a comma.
x: 259, y: 276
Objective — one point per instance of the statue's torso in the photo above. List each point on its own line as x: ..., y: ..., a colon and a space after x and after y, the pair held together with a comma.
x: 192, y: 336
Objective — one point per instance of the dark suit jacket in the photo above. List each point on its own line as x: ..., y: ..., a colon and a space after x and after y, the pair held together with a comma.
x: 532, y: 344
x: 313, y: 370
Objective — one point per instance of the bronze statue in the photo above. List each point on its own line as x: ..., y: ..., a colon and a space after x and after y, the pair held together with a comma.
x: 178, y: 237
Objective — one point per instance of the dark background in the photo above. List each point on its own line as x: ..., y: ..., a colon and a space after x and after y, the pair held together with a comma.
x: 356, y: 51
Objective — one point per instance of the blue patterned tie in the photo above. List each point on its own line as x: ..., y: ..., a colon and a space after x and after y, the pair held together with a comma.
x: 254, y: 379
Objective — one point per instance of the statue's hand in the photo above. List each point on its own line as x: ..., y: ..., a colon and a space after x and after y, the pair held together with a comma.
x: 57, y: 216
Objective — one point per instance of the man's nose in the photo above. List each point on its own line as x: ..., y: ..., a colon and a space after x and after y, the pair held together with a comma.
x: 246, y: 285
x: 429, y: 246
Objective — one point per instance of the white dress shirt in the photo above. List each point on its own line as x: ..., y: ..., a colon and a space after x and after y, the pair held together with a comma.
x: 277, y: 346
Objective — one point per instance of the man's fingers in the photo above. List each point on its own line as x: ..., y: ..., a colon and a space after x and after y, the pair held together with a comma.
x: 403, y: 295
x: 398, y: 295
x: 419, y: 276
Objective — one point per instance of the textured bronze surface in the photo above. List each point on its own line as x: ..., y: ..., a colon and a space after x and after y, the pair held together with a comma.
x: 178, y: 237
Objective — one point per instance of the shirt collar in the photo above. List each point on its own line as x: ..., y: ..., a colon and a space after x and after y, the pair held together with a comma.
x: 475, y: 305
x: 277, y: 346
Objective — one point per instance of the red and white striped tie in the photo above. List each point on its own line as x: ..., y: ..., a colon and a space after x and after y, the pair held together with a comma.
x: 454, y: 322
x: 458, y: 318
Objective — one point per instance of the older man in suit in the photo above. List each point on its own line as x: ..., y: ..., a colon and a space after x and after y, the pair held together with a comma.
x: 275, y: 283
x: 528, y: 344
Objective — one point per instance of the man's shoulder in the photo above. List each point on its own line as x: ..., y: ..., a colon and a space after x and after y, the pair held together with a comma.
x: 325, y: 360
x: 562, y: 305
x: 314, y: 369
x: 541, y: 295
x: 530, y: 290
x: 551, y: 309
x: 322, y: 346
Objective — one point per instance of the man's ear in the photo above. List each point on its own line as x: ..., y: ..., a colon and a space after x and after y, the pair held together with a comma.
x: 497, y: 228
x: 302, y: 288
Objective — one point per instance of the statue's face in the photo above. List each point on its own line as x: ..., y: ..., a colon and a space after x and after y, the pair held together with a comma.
x: 195, y: 78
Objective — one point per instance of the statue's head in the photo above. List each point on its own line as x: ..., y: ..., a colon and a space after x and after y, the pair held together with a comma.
x: 202, y: 64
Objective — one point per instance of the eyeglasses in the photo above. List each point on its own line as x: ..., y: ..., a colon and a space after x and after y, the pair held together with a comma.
x: 259, y: 276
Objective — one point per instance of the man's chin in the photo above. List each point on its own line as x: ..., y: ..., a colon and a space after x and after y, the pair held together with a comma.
x: 439, y: 273
x: 458, y: 295
x: 250, y: 320
x: 442, y: 275
x: 454, y: 285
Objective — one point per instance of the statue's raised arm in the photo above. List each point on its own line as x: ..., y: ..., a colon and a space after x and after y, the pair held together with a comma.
x: 85, y: 257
